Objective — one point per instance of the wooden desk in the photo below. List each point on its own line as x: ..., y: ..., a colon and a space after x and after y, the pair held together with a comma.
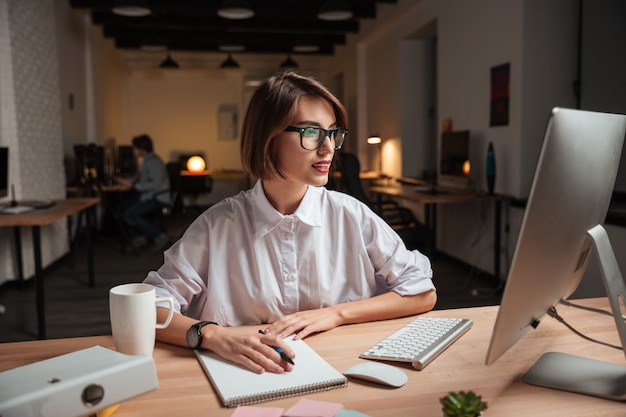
x: 43, y: 217
x: 430, y: 202
x: 184, y: 389
x: 78, y: 190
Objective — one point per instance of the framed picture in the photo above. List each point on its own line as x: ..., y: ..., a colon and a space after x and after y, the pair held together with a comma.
x: 227, y: 122
x: 499, y: 97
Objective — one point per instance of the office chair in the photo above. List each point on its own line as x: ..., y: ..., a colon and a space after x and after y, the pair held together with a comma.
x: 401, y: 219
x: 159, y: 217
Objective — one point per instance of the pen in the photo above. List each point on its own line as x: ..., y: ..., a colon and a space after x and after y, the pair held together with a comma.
x: 280, y: 352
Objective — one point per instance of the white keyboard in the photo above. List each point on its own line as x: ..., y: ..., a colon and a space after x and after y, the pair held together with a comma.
x: 419, y: 341
x: 17, y: 209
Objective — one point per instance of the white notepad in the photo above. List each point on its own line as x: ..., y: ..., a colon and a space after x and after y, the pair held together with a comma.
x: 236, y: 385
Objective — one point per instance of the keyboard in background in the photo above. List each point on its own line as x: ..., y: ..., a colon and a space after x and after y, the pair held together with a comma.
x: 420, y: 341
x: 26, y: 206
x: 16, y: 209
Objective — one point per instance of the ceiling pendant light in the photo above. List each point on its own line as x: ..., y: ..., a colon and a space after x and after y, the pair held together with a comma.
x: 289, y: 63
x: 168, y: 62
x: 231, y: 47
x: 305, y: 45
x: 153, y: 43
x: 229, y: 63
x: 232, y: 44
x: 334, y: 10
x: 131, y: 8
x: 235, y: 10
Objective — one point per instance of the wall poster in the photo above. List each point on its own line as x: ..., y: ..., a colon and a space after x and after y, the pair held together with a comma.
x: 500, y: 82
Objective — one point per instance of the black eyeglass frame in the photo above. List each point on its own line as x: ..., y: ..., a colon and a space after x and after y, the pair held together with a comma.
x: 327, y: 133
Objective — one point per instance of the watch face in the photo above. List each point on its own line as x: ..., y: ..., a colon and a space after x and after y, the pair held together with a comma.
x: 192, y: 337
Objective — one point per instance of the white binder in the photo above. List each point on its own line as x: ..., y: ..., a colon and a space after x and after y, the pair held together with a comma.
x: 75, y: 384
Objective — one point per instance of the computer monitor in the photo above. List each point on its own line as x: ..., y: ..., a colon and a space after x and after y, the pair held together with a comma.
x: 454, y: 159
x: 560, y: 231
x: 4, y: 172
x: 126, y: 161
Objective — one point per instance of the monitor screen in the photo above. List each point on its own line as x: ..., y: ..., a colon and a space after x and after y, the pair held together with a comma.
x: 454, y: 158
x: 4, y: 172
x: 569, y: 195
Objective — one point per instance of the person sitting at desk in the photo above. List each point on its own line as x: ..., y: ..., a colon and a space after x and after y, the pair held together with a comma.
x: 288, y: 255
x: 153, y: 186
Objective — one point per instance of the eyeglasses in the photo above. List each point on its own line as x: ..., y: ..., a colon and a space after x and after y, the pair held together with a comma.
x: 312, y: 137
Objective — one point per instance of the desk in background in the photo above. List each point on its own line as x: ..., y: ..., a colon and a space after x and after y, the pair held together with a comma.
x: 35, y: 219
x: 185, y: 390
x: 430, y: 201
x: 225, y: 183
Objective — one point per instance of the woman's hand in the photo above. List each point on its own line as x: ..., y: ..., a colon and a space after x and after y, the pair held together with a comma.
x: 248, y: 348
x: 304, y: 323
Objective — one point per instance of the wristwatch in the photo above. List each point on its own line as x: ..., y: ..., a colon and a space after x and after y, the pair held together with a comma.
x: 194, y: 334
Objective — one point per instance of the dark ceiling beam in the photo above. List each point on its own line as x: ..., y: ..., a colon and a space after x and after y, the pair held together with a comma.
x: 198, y: 40
x: 215, y: 24
x: 277, y: 26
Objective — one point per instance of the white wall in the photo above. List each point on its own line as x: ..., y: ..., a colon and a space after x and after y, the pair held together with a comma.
x: 179, y: 109
x: 31, y: 122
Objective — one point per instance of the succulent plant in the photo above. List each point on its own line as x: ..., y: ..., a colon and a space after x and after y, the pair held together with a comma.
x: 462, y: 404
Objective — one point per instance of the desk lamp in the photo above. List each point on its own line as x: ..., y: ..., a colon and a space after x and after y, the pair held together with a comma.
x: 196, y: 164
x: 377, y: 140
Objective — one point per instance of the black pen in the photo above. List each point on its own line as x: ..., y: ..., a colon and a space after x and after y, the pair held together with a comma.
x: 280, y: 352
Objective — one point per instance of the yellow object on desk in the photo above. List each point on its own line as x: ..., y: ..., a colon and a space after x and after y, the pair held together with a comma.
x: 107, y: 412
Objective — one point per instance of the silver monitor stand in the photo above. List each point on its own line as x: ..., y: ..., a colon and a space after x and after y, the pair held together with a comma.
x: 583, y: 375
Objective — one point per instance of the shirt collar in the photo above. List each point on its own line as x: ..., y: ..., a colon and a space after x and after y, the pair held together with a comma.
x: 266, y: 217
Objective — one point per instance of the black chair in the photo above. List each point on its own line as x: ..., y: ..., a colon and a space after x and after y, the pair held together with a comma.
x: 401, y: 219
x: 159, y: 217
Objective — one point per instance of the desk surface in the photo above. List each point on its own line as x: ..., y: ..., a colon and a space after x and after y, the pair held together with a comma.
x: 113, y: 188
x: 407, y: 192
x: 184, y: 389
x: 43, y: 217
x: 216, y: 173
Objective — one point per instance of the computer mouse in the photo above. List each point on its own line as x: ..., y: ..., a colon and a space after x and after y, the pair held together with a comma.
x: 378, y: 372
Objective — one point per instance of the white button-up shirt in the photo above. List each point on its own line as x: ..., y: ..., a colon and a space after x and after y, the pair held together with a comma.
x: 243, y: 262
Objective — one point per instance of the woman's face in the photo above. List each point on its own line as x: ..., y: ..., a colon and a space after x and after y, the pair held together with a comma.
x: 298, y: 164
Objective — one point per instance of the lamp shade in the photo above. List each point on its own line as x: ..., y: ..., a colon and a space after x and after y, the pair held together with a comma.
x: 289, y: 63
x: 235, y: 10
x: 229, y: 63
x: 335, y: 10
x: 374, y: 139
x: 196, y: 164
x: 131, y: 8
x: 168, y: 62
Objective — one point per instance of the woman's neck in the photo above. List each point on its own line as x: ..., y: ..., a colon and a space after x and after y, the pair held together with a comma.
x: 284, y: 195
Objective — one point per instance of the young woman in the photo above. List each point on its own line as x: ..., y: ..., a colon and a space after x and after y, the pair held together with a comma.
x: 288, y: 255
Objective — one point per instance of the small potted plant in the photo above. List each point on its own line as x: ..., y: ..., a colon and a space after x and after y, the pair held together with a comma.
x: 462, y: 404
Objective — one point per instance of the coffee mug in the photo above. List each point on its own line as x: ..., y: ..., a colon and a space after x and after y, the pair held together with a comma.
x: 133, y: 317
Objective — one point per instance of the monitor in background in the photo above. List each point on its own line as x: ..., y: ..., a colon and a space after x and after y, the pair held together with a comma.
x: 454, y: 159
x: 126, y: 161
x: 568, y: 202
x: 4, y: 172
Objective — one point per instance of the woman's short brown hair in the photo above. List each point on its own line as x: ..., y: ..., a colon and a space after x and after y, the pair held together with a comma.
x: 270, y: 110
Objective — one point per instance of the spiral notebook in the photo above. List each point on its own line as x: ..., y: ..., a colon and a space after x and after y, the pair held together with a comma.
x: 236, y: 385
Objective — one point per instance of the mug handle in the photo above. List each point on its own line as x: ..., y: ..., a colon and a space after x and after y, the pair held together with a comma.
x: 170, y: 301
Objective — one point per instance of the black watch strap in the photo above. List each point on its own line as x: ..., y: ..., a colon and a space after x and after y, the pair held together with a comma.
x: 198, y: 329
x: 199, y: 325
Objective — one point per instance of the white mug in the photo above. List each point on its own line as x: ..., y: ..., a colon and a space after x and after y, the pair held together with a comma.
x: 133, y: 317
